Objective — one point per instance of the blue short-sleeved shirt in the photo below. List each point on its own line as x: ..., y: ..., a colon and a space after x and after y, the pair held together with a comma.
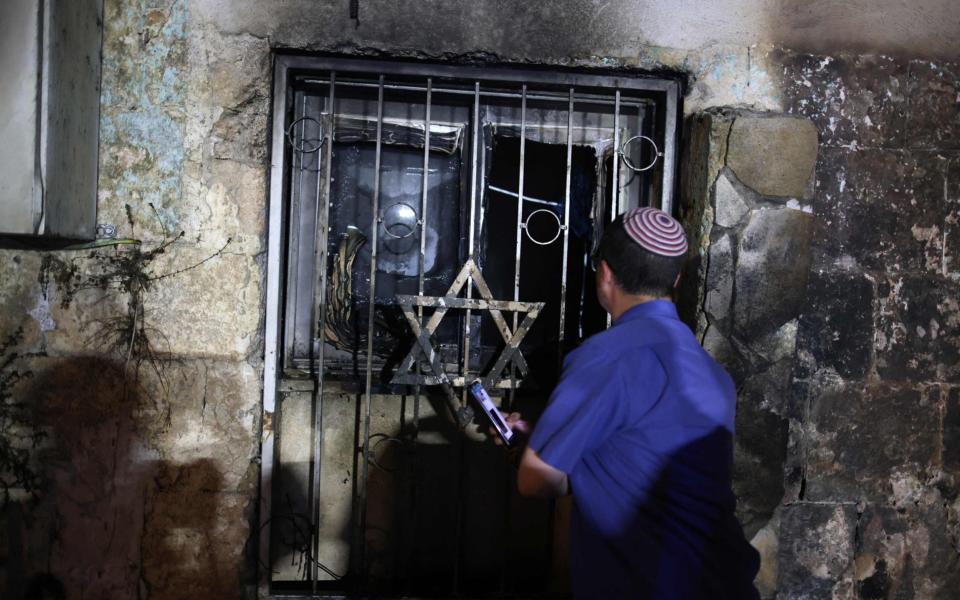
x: 642, y: 422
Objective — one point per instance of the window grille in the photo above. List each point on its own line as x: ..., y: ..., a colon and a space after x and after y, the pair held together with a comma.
x: 461, y: 204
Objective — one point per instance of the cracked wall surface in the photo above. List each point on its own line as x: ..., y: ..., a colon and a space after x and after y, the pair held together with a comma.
x: 850, y: 436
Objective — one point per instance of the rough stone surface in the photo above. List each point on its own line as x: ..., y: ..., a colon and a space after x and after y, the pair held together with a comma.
x: 719, y: 280
x: 754, y: 256
x: 836, y: 329
x: 896, y: 548
x: 198, y: 315
x: 767, y: 543
x: 816, y: 551
x: 853, y: 100
x: 20, y: 296
x: 729, y: 205
x: 951, y: 432
x: 773, y: 262
x: 918, y: 329
x: 881, y: 210
x: 773, y: 155
x: 872, y: 421
x: 861, y: 438
x: 115, y: 487
x: 759, y: 455
x: 933, y: 120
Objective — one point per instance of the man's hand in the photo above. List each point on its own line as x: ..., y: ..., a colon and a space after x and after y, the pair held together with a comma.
x: 520, y: 428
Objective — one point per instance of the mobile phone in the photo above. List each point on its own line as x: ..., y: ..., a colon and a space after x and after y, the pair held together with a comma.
x: 490, y: 409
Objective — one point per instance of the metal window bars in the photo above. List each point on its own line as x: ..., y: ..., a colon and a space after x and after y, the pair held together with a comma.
x: 303, y: 146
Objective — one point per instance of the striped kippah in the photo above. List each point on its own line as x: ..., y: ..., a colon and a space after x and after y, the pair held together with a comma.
x: 655, y: 231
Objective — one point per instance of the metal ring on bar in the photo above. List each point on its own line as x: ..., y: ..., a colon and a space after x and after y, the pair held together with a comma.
x: 626, y: 159
x: 399, y: 217
x: 290, y: 136
x: 526, y: 227
x: 383, y: 438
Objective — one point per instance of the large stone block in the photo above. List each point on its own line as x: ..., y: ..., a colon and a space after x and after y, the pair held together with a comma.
x: 234, y: 68
x: 203, y: 410
x: 836, y: 328
x: 759, y: 458
x: 851, y: 99
x: 773, y: 155
x: 918, y: 329
x: 882, y: 210
x: 212, y: 309
x: 772, y: 268
x: 858, y: 439
x: 906, y: 552
x: 719, y: 279
x: 730, y: 202
x: 933, y: 120
x: 816, y: 552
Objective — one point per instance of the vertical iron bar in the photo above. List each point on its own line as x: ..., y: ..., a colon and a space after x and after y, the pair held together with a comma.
x: 420, y: 275
x: 320, y: 307
x: 470, y: 236
x: 615, y: 192
x: 296, y: 215
x: 615, y: 207
x: 507, y: 524
x: 423, y: 234
x: 474, y: 159
x: 374, y: 231
x: 516, y: 266
x: 566, y: 226
x: 669, y: 148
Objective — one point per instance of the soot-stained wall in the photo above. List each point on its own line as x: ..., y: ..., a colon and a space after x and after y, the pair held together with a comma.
x: 149, y: 471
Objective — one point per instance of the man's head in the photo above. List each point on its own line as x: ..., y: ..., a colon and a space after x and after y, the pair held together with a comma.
x: 640, y: 255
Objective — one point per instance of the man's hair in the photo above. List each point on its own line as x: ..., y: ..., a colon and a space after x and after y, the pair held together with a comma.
x: 637, y: 270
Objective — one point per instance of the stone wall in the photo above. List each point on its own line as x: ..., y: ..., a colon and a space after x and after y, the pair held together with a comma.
x: 150, y: 474
x: 830, y: 293
x: 746, y: 201
x: 872, y: 506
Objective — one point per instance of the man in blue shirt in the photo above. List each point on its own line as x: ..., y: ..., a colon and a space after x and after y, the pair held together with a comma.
x: 639, y: 429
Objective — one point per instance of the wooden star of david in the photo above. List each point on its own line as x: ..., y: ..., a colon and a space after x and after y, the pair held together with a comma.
x: 424, y: 346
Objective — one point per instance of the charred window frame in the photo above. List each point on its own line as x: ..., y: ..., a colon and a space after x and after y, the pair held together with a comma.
x: 426, y: 164
x: 457, y: 177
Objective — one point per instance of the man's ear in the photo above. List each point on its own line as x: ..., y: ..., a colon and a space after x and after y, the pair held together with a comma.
x: 605, y: 273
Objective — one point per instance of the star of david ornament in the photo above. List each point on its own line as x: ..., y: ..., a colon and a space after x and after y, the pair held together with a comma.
x: 424, y: 347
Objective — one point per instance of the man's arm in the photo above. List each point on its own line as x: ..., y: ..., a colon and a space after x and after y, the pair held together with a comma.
x: 537, y: 479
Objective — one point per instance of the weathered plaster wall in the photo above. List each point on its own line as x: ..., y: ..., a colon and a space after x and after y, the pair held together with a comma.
x: 150, y: 490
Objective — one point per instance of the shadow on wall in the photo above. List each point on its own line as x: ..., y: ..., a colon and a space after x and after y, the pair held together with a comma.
x: 112, y: 519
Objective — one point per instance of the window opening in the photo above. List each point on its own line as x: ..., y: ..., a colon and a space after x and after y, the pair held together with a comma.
x: 464, y: 202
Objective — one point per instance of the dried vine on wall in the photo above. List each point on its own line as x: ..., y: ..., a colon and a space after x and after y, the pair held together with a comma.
x: 124, y: 269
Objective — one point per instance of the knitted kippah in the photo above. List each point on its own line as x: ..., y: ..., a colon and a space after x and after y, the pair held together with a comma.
x: 655, y: 231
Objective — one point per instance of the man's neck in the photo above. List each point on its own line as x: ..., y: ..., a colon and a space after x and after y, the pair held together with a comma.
x: 624, y: 302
